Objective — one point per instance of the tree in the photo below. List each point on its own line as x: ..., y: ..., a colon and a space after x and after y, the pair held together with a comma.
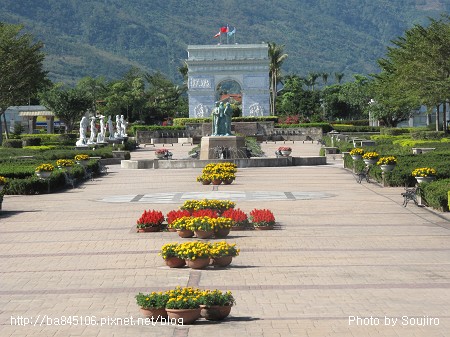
x: 418, y: 65
x: 357, y: 95
x: 276, y: 59
x: 67, y: 104
x: 21, y: 67
x: 338, y: 77
x: 95, y: 88
x: 324, y: 78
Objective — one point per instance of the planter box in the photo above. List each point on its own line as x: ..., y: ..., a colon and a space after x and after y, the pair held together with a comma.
x: 125, y: 155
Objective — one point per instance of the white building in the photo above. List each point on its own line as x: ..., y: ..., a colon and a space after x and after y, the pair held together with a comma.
x: 27, y: 116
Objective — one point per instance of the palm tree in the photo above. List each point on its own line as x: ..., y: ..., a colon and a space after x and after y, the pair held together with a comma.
x: 312, y: 78
x: 338, y: 77
x: 276, y: 58
x: 325, y: 78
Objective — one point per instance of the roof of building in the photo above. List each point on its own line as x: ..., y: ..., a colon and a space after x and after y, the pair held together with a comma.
x: 30, y: 110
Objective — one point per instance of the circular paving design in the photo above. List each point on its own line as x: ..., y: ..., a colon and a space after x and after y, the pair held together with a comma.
x: 177, y: 197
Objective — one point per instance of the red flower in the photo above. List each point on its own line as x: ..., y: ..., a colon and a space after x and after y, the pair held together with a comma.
x: 262, y: 217
x: 235, y: 214
x: 151, y: 218
x: 174, y: 215
x: 205, y: 212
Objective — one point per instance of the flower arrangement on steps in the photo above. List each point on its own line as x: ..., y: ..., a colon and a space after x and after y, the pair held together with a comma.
x: 65, y: 164
x: 150, y: 221
x: 198, y: 254
x: 370, y: 158
x: 185, y: 305
x: 387, y: 164
x: 82, y: 159
x: 218, y: 173
x: 219, y: 205
x: 239, y: 217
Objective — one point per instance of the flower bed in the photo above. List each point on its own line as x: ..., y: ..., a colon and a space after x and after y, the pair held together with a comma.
x: 218, y: 205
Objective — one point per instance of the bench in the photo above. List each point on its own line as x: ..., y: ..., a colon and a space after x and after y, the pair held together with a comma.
x: 364, y: 174
x: 410, y: 194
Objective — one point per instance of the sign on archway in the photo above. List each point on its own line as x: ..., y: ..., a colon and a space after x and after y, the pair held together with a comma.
x: 215, y: 71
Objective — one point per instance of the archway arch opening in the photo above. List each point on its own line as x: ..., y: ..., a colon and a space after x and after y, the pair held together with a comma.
x: 230, y: 91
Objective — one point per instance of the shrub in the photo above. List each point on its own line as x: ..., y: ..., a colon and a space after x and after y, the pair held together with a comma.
x: 436, y: 194
x: 32, y: 141
x: 14, y: 143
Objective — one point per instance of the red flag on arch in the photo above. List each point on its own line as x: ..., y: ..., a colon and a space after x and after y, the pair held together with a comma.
x: 224, y: 29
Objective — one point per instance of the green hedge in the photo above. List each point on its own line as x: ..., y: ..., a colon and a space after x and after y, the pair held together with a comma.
x: 394, y: 131
x: 351, y: 128
x: 325, y: 126
x: 14, y: 143
x: 435, y: 194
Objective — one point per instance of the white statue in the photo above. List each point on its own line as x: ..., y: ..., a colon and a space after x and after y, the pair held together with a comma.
x: 123, y: 126
x: 102, y: 132
x: 110, y: 128
x: 93, y: 136
x: 118, y: 133
x: 83, y: 130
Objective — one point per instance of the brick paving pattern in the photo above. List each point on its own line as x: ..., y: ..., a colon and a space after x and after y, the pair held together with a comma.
x: 341, y: 250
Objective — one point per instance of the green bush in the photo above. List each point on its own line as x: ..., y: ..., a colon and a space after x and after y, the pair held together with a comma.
x: 325, y: 126
x: 435, y: 194
x: 427, y: 135
x: 394, y: 131
x: 32, y: 141
x: 14, y: 143
x: 135, y: 128
x: 182, y: 121
x: 351, y: 128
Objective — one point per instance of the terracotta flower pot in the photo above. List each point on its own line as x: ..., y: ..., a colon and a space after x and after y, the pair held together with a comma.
x: 157, y: 314
x: 215, y: 312
x: 203, y: 234
x: 222, y: 232
x: 198, y: 263
x: 185, y: 233
x: 206, y: 182
x: 175, y: 262
x: 170, y: 229
x: 228, y: 182
x: 188, y: 316
x: 222, y: 261
x: 217, y: 182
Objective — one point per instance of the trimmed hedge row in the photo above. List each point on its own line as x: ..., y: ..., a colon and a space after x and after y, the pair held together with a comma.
x: 182, y: 121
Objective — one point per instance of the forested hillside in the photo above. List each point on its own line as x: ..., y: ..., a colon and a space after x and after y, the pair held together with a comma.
x: 107, y: 37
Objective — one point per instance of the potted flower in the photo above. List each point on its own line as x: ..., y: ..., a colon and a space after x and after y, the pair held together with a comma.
x: 387, y: 164
x: 370, y: 158
x: 2, y: 182
x: 240, y: 219
x: 356, y: 153
x: 153, y: 305
x: 262, y: 219
x: 82, y: 159
x: 219, y: 205
x: 216, y: 304
x: 197, y: 254
x: 222, y: 253
x: 65, y: 164
x: 183, y: 226
x: 285, y: 151
x: 183, y: 305
x: 174, y: 215
x: 44, y: 171
x: 161, y: 153
x: 424, y: 174
x: 205, y: 179
x: 150, y: 221
x: 228, y: 178
x: 169, y: 252
x: 202, y: 226
x: 222, y: 226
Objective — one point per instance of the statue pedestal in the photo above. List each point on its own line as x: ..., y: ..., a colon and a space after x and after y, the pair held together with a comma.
x: 223, y: 147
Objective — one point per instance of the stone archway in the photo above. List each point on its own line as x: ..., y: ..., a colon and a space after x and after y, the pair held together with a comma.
x: 230, y: 91
x: 211, y: 65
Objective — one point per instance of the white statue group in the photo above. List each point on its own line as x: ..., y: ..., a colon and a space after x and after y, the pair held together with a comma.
x: 95, y: 138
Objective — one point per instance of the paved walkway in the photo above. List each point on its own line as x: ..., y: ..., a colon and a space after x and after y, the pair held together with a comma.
x: 348, y: 260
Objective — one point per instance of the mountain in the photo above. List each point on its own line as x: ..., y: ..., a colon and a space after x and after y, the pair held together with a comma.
x: 107, y: 37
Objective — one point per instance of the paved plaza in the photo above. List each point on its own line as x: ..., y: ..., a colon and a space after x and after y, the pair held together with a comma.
x: 346, y: 259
